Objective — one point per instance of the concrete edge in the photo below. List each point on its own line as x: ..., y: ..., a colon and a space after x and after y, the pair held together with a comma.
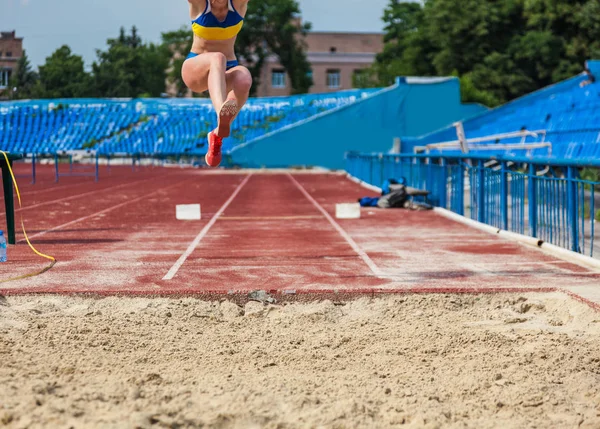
x: 559, y: 252
x: 574, y: 257
x: 361, y: 183
x: 466, y: 221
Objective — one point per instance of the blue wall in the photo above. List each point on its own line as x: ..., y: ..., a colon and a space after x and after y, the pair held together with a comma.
x: 412, y: 107
x: 594, y: 67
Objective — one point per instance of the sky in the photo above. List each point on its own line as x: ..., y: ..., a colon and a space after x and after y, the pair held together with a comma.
x: 85, y: 25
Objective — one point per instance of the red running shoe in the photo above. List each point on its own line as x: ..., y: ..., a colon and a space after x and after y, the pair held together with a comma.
x: 213, y: 156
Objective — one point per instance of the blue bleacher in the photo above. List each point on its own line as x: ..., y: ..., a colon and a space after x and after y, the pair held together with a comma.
x: 567, y: 112
x: 173, y: 126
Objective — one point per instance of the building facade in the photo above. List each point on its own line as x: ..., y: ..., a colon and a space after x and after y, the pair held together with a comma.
x: 334, y: 59
x: 11, y: 51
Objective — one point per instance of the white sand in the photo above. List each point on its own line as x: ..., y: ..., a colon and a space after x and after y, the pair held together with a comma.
x: 500, y: 361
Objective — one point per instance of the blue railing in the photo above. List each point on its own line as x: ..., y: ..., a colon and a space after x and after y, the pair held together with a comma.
x: 542, y: 198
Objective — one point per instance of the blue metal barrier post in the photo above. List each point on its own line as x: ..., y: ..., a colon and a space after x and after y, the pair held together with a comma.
x: 429, y: 178
x: 572, y: 207
x: 381, y: 170
x: 97, y: 168
x: 504, y: 196
x: 532, y: 200
x: 33, y: 177
x: 460, y: 189
x: 444, y: 184
x: 481, y: 192
x: 56, y: 166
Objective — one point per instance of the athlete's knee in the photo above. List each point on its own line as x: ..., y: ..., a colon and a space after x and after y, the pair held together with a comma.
x: 217, y: 59
x: 243, y: 80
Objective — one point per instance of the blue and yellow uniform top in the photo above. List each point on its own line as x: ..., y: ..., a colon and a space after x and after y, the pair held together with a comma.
x: 208, y: 27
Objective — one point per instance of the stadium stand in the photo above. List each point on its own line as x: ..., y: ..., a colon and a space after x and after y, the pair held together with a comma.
x: 560, y: 121
x: 174, y: 126
x: 61, y: 125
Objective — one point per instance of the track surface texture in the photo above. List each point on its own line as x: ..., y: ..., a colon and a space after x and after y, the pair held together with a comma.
x: 271, y: 231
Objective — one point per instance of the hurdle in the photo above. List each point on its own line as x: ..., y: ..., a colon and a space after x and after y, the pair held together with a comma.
x: 25, y: 158
x: 77, y: 168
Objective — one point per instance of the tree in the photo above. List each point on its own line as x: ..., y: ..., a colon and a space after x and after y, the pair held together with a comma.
x: 130, y: 68
x: 407, y: 50
x: 178, y: 44
x: 500, y: 49
x: 24, y: 80
x: 63, y: 76
x: 271, y: 27
x: 405, y: 46
x: 463, y: 33
x: 153, y: 73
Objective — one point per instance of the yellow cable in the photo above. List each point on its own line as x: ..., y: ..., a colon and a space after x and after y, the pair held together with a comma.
x: 51, y: 258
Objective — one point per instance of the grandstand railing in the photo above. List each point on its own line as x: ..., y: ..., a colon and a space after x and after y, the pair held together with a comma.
x: 490, y: 143
x: 543, y: 198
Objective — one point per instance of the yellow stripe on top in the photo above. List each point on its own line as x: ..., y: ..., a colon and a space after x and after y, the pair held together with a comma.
x: 217, y: 33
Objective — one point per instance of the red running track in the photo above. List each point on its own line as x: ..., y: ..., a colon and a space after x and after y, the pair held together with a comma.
x: 272, y: 231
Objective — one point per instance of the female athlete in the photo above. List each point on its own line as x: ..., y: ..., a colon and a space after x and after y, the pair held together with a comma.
x: 212, y: 64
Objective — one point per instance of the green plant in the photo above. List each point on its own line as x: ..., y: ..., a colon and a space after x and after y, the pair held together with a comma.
x: 591, y: 175
x: 275, y: 118
x: 239, y: 136
x: 90, y: 144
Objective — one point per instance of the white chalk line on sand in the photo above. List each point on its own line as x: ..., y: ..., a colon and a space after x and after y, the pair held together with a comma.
x: 175, y: 268
x: 361, y: 253
x: 109, y: 209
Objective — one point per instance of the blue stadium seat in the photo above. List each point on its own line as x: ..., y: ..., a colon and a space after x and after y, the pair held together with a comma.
x: 149, y: 125
x: 568, y: 113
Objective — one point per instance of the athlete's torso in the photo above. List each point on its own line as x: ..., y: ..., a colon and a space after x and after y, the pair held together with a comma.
x: 216, y: 28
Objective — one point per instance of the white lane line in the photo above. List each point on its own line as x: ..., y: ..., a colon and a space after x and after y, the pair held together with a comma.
x: 50, y: 189
x: 73, y: 197
x: 109, y: 209
x: 173, y: 271
x: 374, y: 268
x: 60, y: 186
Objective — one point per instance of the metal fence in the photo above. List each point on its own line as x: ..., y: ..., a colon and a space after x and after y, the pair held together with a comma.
x: 542, y: 198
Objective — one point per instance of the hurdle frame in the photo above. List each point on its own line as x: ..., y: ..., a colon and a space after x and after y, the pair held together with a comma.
x: 72, y: 173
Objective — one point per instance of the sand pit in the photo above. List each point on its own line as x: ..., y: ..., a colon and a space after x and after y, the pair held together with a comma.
x: 426, y: 361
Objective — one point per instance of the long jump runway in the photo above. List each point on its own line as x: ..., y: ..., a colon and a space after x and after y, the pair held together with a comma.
x: 269, y: 231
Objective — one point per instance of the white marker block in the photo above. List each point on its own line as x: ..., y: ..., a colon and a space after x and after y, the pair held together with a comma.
x: 188, y: 212
x: 347, y: 211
